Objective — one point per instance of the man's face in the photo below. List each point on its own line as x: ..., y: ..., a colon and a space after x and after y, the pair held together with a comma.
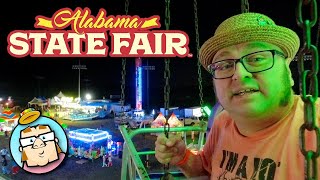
x: 271, y: 88
x: 39, y: 145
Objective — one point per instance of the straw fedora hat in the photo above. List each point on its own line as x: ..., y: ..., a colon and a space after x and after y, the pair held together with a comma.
x: 28, y: 116
x: 248, y: 27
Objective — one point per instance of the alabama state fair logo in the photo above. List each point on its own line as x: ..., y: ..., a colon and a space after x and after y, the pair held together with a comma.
x: 130, y: 36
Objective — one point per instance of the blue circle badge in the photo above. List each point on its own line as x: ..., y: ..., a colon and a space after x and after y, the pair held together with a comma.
x: 38, y: 144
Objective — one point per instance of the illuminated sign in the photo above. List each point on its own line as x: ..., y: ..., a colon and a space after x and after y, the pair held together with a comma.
x: 130, y: 36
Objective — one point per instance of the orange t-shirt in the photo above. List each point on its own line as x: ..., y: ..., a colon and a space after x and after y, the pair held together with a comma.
x: 272, y: 153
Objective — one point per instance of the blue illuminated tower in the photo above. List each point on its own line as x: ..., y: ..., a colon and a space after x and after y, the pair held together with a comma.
x: 138, y: 84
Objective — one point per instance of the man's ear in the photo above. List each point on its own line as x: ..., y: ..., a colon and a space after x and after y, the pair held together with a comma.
x: 289, y: 72
x: 20, y: 148
x: 56, y: 140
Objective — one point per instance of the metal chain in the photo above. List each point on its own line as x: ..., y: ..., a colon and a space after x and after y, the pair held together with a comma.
x: 310, y: 123
x: 167, y: 15
x: 166, y: 167
x: 167, y: 68
x: 196, y: 23
x: 126, y: 7
x: 123, y: 81
x: 123, y: 72
x: 318, y: 33
x: 244, y: 6
x: 167, y: 86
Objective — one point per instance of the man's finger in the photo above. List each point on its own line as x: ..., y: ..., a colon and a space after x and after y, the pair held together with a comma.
x: 163, y: 157
x: 160, y: 148
x: 173, y: 139
x: 161, y: 139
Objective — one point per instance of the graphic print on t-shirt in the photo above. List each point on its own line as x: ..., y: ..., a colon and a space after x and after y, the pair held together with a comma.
x: 235, y: 166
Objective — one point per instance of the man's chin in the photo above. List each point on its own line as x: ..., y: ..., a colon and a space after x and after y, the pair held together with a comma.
x: 37, y: 164
x: 43, y: 163
x: 251, y: 111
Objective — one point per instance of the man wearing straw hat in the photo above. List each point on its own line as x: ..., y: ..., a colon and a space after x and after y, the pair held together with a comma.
x: 256, y: 136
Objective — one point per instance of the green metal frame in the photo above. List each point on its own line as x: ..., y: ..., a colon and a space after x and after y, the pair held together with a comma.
x: 131, y: 161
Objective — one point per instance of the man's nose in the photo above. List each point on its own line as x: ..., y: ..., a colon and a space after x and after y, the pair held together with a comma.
x: 240, y: 72
x: 38, y: 143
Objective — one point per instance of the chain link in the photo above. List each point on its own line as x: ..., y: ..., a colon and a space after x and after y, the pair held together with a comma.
x: 167, y: 86
x: 310, y: 123
x: 167, y: 15
x: 123, y: 72
x: 196, y: 23
x: 123, y: 81
x: 166, y: 167
x: 318, y: 33
x: 244, y: 6
x: 126, y: 6
x: 167, y: 72
x: 167, y: 61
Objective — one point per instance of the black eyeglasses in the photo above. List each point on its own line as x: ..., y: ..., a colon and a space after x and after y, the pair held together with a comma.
x: 253, y: 63
x: 49, y: 136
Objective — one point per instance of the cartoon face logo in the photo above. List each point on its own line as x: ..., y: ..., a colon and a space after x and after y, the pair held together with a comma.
x: 38, y: 144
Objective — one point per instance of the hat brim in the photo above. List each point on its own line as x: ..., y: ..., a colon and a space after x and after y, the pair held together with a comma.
x: 29, y: 117
x: 284, y: 38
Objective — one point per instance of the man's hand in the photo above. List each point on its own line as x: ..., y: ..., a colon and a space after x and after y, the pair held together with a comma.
x: 170, y: 150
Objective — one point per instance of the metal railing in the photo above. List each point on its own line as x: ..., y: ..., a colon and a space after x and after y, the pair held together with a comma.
x: 132, y: 164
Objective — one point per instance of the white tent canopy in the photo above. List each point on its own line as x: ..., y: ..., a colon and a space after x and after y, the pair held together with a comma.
x: 159, y: 121
x: 174, y: 121
x: 53, y: 101
x: 36, y: 101
x: 60, y: 95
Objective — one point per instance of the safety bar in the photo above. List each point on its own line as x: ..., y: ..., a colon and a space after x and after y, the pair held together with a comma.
x: 131, y: 157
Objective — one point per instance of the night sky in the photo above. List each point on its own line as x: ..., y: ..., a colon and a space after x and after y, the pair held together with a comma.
x: 25, y: 78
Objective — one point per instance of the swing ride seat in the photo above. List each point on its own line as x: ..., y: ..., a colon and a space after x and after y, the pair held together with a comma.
x: 132, y: 165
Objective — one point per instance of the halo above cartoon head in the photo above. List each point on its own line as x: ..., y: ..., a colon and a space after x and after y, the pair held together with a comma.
x: 249, y: 27
x: 28, y: 116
